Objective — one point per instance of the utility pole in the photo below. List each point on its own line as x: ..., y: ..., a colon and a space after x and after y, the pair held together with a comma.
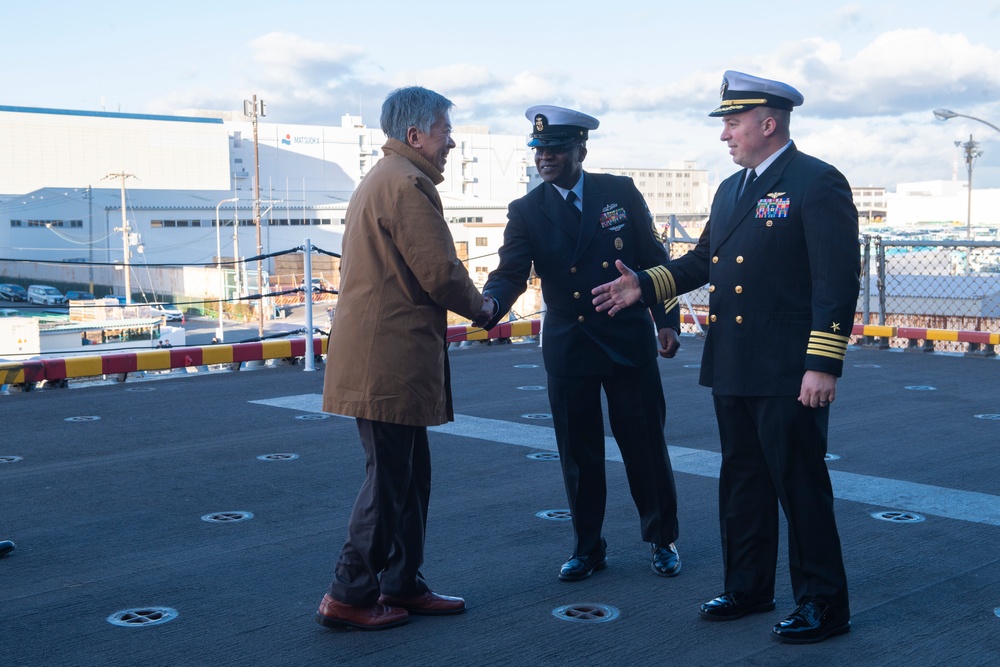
x: 253, y: 108
x: 124, y: 230
x: 972, y: 152
x: 90, y: 227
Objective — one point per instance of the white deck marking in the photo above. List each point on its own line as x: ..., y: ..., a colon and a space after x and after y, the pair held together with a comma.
x: 878, y: 491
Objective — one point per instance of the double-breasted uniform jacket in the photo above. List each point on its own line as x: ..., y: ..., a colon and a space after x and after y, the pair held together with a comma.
x: 571, y: 257
x: 783, y: 264
x: 399, y: 277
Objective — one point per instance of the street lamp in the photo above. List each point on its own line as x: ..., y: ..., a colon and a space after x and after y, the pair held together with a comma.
x: 972, y: 152
x: 218, y: 261
x: 945, y: 114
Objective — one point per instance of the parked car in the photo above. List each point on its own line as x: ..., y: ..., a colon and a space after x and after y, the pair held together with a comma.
x: 317, y: 284
x: 73, y: 295
x: 45, y: 295
x: 9, y: 312
x: 13, y: 292
x: 168, y: 310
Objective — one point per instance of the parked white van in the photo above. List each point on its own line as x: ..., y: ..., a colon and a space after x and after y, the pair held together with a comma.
x: 45, y: 295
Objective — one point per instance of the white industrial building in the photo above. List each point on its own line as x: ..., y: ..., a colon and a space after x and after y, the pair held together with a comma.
x: 945, y: 206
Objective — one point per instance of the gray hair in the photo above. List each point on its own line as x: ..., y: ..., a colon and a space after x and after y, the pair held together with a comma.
x: 412, y: 107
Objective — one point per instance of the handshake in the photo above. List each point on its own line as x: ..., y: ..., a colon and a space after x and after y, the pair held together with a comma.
x: 487, y: 311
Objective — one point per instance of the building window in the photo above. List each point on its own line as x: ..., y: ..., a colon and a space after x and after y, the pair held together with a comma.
x: 15, y: 223
x: 482, y: 241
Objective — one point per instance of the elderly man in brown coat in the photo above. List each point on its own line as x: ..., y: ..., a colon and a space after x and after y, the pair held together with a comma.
x: 388, y: 362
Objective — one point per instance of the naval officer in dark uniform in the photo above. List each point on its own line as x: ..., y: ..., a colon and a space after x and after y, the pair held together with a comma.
x: 780, y: 252
x: 573, y: 227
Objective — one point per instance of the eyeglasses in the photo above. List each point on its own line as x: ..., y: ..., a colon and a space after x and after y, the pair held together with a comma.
x: 554, y: 150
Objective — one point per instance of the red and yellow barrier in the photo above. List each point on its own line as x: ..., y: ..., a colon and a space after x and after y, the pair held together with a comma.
x: 64, y: 368
x: 912, y: 333
x: 514, y: 329
x: 183, y: 357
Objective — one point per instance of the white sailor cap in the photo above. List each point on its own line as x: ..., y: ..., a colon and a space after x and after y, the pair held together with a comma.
x: 558, y: 126
x: 741, y: 92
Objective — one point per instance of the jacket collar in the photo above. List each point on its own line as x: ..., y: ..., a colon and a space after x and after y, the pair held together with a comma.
x: 419, y: 161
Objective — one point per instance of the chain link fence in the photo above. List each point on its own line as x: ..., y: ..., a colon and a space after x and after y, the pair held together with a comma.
x: 933, y: 284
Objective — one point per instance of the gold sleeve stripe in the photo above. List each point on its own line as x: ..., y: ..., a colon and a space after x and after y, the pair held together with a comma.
x: 829, y: 336
x: 813, y: 345
x: 827, y: 346
x: 663, y: 283
x: 669, y: 305
x: 824, y: 342
x: 831, y: 344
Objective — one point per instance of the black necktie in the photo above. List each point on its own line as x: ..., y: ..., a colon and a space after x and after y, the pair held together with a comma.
x: 751, y: 177
x: 571, y: 200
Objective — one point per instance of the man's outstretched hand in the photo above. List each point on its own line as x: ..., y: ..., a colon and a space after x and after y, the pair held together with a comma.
x: 486, y: 312
x: 619, y: 293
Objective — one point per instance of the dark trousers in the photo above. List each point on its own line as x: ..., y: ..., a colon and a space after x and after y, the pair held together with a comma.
x: 637, y: 411
x: 385, y: 535
x: 773, y: 451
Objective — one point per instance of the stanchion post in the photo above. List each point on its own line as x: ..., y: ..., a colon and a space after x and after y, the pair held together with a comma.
x: 310, y: 358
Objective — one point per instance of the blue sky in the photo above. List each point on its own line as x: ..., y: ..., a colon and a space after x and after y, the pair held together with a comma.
x: 871, y: 72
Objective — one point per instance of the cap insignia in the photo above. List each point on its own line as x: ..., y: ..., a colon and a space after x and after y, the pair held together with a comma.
x: 540, y: 122
x: 724, y: 87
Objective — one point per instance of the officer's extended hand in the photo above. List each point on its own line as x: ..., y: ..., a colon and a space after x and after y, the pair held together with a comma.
x: 618, y: 294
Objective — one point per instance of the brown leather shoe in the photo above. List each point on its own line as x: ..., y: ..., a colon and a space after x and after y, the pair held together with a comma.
x: 427, y: 604
x: 333, y: 613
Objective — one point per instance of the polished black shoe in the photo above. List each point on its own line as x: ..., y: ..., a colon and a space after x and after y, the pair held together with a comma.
x: 6, y: 546
x: 732, y: 605
x: 813, y: 621
x: 666, y: 560
x: 581, y: 567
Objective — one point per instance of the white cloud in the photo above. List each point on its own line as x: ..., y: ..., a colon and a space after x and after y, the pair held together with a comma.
x: 867, y: 111
x: 289, y: 59
x: 450, y: 79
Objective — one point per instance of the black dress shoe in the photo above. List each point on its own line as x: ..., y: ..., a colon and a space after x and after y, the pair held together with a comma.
x: 581, y: 567
x: 666, y: 560
x: 813, y: 621
x: 6, y: 546
x: 732, y: 605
